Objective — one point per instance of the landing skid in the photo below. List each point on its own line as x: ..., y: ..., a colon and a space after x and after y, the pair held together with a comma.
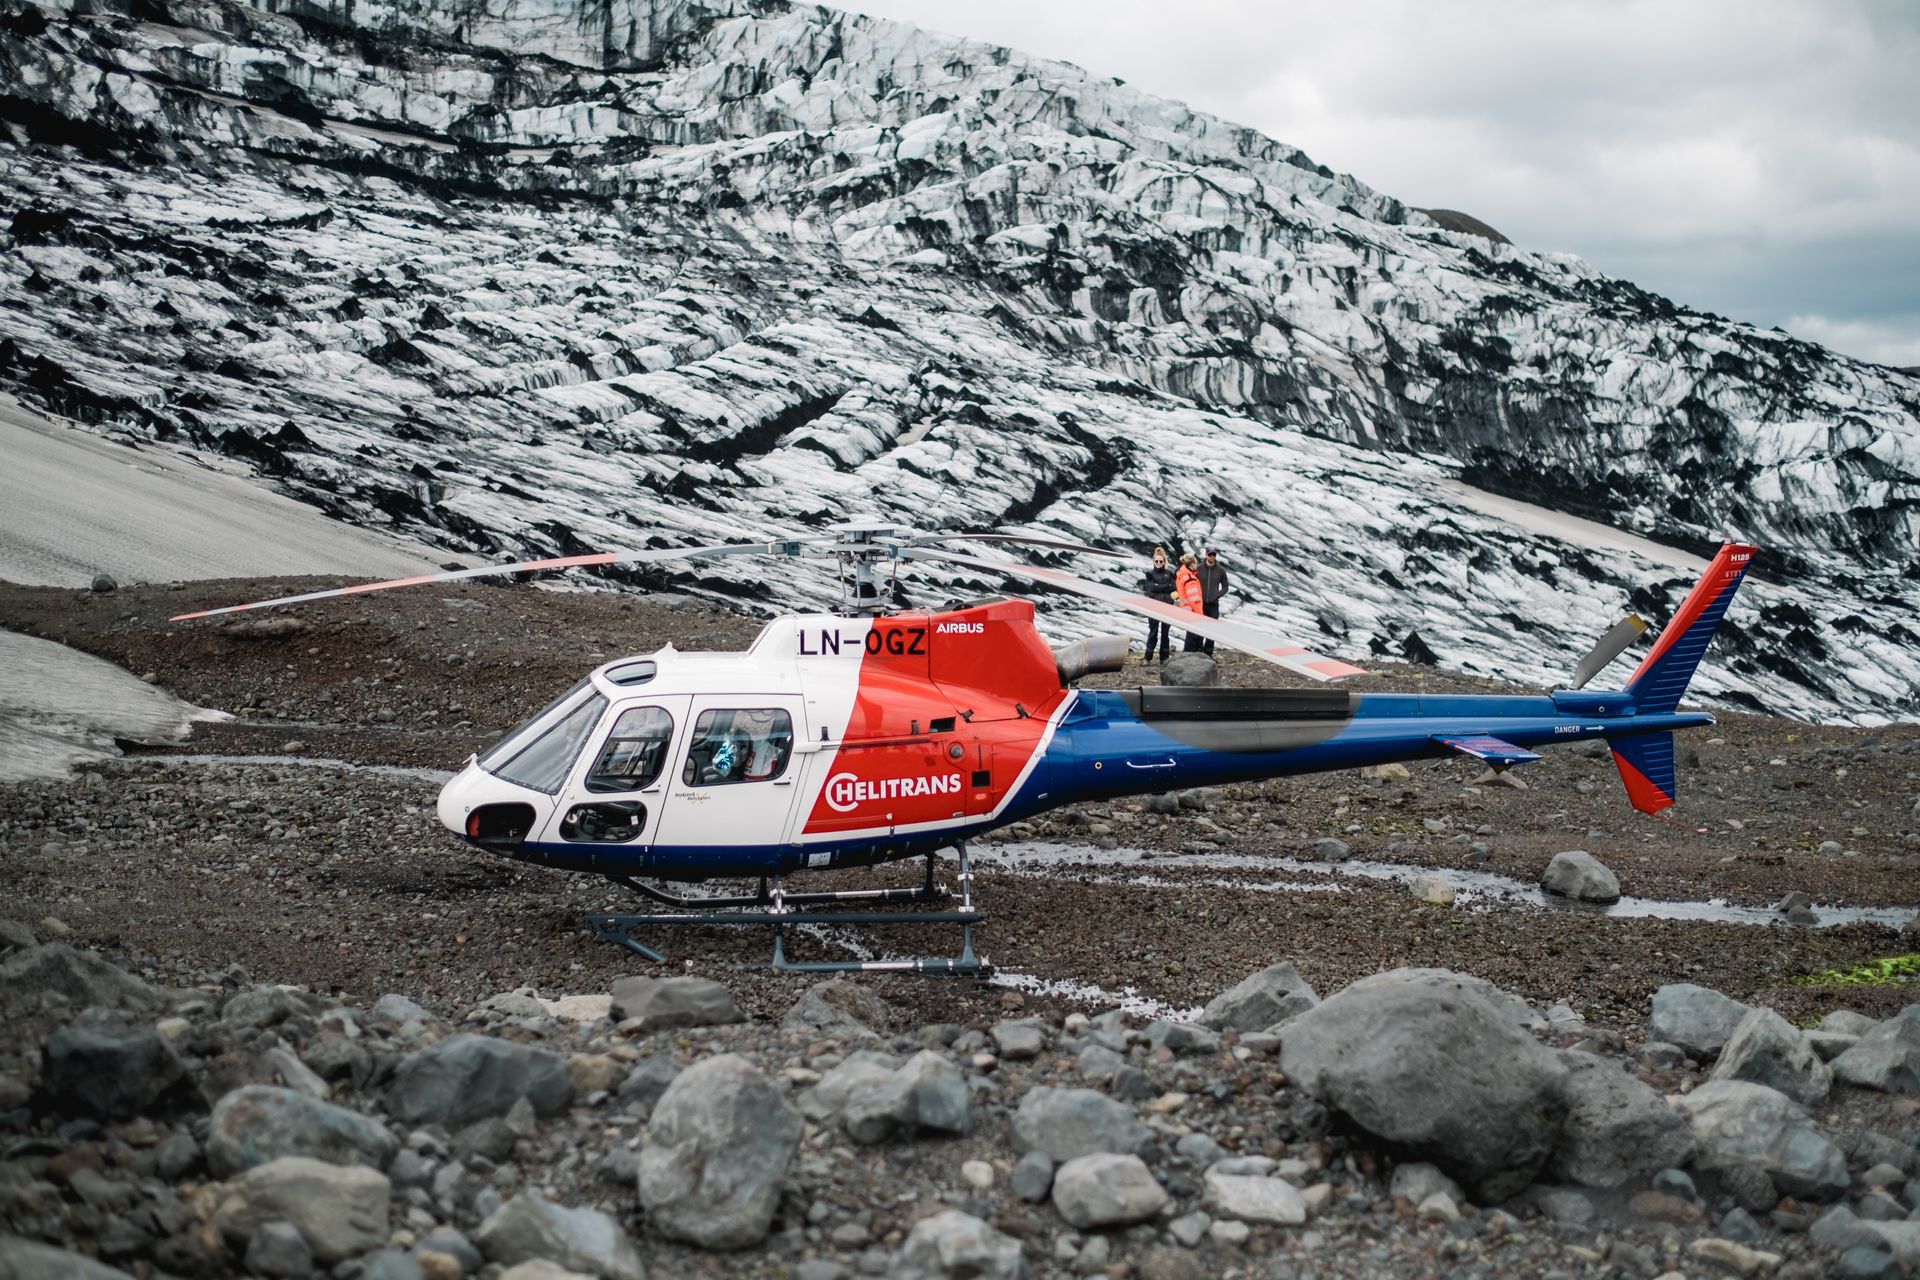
x: 775, y: 909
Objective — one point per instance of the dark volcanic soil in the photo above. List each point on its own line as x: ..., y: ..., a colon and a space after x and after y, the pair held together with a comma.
x: 341, y: 880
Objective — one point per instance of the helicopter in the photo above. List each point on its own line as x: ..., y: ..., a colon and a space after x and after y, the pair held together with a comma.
x: 875, y: 732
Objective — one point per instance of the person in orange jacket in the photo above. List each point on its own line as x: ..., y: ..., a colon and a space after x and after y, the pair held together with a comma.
x: 1186, y: 590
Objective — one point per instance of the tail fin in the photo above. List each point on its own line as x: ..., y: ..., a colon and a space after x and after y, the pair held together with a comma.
x: 1663, y: 675
x: 1645, y: 762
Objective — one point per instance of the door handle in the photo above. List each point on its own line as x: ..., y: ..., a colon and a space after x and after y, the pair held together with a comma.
x: 1168, y: 763
x: 783, y: 782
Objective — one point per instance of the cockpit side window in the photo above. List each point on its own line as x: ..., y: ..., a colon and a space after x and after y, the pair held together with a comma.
x: 635, y: 751
x: 543, y: 763
x: 744, y: 745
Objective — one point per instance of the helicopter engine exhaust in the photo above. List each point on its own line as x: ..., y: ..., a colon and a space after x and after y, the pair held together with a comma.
x: 1093, y: 654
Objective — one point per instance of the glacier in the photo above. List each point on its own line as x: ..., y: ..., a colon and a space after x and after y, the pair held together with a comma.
x: 533, y: 277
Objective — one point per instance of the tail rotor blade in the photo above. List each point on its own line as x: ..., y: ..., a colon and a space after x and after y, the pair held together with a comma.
x: 1615, y: 642
x: 789, y: 547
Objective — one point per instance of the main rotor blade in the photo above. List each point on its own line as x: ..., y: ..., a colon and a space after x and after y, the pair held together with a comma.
x: 1610, y: 646
x: 1232, y: 634
x: 787, y: 547
x: 1053, y: 543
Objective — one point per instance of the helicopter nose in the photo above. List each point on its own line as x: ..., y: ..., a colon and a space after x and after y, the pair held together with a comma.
x: 458, y: 798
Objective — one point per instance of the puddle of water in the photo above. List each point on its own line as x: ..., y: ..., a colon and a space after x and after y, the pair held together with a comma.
x: 1473, y: 888
x: 438, y: 777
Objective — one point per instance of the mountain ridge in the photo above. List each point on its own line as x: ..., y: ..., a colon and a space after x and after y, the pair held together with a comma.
x: 730, y: 268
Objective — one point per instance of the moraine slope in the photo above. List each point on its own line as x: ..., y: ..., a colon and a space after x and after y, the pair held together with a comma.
x: 533, y: 278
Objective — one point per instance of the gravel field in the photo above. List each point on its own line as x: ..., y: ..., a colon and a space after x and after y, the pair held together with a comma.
x: 312, y: 874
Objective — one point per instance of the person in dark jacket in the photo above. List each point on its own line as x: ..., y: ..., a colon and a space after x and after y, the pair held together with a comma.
x: 1158, y: 585
x: 1213, y: 585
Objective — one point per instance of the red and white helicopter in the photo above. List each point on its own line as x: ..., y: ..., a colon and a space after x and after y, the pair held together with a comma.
x: 873, y: 733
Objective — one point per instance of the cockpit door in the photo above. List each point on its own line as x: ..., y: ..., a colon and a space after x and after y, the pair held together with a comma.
x: 734, y: 782
x: 617, y: 789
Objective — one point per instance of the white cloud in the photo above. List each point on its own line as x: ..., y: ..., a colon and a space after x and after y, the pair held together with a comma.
x: 1894, y: 344
x: 1712, y: 151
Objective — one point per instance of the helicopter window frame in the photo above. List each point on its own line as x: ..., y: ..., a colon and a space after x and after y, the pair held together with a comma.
x: 510, y: 743
x: 544, y: 763
x: 653, y: 730
x: 709, y: 732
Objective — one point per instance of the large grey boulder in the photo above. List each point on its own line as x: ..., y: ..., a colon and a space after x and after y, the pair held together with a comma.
x: 1069, y: 1123
x: 1106, y: 1189
x: 1509, y: 1006
x: 530, y: 1228
x: 1435, y: 1067
x: 471, y: 1077
x: 1579, y: 875
x: 928, y: 1093
x: 1617, y: 1130
x: 30, y: 1260
x: 1265, y: 999
x: 1737, y: 1124
x: 952, y: 1245
x: 665, y: 1004
x: 717, y: 1154
x: 1698, y: 1019
x: 339, y: 1210
x: 1767, y: 1049
x: 841, y: 1008
x: 81, y: 976
x: 109, y: 1073
x: 1190, y: 670
x: 257, y: 1123
x: 1887, y: 1057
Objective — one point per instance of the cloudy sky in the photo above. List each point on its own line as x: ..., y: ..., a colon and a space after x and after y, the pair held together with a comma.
x: 1758, y: 159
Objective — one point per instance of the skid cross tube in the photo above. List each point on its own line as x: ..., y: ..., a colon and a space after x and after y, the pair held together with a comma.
x: 776, y: 909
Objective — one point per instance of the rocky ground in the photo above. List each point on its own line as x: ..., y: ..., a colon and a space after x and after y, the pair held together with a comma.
x: 218, y: 881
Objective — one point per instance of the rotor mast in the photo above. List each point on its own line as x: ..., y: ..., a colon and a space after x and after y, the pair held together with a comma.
x: 861, y: 546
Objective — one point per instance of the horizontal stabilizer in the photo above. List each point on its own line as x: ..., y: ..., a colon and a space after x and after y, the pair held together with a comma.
x: 1618, y: 639
x: 1646, y: 766
x: 1492, y: 750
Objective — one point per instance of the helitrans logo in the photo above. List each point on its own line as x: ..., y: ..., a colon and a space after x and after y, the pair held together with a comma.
x: 845, y: 792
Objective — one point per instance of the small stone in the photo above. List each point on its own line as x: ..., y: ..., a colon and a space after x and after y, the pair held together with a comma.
x: 1230, y: 1234
x: 662, y: 1004
x: 1329, y: 849
x: 1577, y: 874
x: 1266, y: 1201
x: 1189, y: 1229
x: 952, y: 1245
x: 1106, y: 1190
x: 1033, y: 1176
x: 1658, y: 1206
x: 1431, y: 889
x: 277, y: 1249
x: 528, y: 1228
x: 341, y: 1212
x: 1736, y: 1257
x: 1066, y: 1123
x: 1438, y: 1207
x: 1019, y: 1040
x: 977, y: 1174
